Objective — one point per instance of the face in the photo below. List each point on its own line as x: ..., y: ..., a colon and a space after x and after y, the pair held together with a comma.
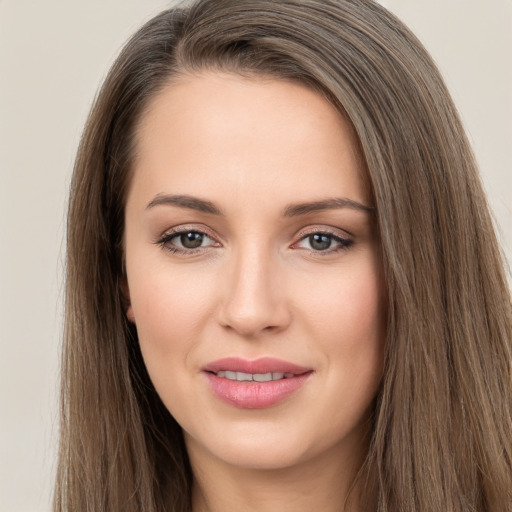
x: 253, y: 271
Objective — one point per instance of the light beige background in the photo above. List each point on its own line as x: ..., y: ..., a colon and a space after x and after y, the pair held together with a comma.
x: 53, y: 55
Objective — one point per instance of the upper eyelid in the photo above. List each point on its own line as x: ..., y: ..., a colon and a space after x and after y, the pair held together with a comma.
x: 341, y: 239
x: 299, y: 235
x: 165, y: 239
x: 184, y: 228
x: 328, y: 230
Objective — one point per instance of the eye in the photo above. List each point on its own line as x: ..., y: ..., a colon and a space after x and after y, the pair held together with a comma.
x: 323, y: 242
x: 190, y: 240
x: 186, y: 241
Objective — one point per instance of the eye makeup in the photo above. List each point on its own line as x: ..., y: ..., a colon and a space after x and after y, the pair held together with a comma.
x: 191, y: 241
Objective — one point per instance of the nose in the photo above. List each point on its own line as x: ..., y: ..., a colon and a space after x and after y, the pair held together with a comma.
x: 254, y: 299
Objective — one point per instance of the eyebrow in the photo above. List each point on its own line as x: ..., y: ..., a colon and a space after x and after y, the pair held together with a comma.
x: 185, y: 201
x: 294, y: 210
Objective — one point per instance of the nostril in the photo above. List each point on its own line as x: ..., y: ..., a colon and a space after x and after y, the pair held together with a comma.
x: 252, y: 325
x: 254, y: 301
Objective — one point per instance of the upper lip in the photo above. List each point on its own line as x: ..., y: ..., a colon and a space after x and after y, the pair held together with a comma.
x: 261, y: 365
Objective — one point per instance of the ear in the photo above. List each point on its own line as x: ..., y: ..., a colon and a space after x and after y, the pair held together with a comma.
x: 129, y: 314
x: 125, y: 299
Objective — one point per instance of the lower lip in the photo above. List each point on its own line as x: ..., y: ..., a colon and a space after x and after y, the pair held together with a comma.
x: 254, y: 395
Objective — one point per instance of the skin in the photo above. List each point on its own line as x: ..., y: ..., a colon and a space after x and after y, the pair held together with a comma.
x: 257, y: 285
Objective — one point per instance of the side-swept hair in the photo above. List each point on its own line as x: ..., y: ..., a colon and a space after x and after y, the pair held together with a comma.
x: 442, y: 423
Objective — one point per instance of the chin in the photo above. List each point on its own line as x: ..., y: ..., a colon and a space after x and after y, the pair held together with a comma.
x: 257, y: 454
x: 276, y: 446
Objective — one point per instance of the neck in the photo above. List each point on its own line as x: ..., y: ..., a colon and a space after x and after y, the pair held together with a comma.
x: 325, y: 483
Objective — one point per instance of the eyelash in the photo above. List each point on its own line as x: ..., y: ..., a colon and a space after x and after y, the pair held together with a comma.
x: 166, y: 239
x: 343, y: 243
x: 165, y: 242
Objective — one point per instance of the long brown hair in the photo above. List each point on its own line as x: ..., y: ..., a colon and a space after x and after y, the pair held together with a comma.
x: 442, y: 424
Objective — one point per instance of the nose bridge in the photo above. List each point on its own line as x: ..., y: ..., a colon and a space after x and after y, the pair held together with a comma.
x: 254, y: 299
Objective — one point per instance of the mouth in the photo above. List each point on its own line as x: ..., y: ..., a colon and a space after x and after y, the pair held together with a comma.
x: 255, y: 384
x: 264, y: 366
x: 254, y: 377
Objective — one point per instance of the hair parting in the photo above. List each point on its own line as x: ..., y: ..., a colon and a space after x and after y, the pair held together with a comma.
x: 441, y: 427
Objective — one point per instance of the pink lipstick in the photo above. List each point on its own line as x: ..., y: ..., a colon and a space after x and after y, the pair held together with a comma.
x: 254, y: 384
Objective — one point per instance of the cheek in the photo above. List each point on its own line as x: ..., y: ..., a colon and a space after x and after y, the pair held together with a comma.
x: 347, y: 320
x: 350, y: 305
x: 170, y: 307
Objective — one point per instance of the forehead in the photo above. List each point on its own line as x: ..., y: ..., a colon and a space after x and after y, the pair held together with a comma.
x: 221, y: 130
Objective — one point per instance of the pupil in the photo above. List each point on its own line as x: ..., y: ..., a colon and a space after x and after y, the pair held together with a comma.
x: 191, y: 240
x: 320, y: 242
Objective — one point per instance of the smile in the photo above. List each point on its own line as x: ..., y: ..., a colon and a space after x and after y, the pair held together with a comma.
x: 256, y: 377
x: 256, y: 384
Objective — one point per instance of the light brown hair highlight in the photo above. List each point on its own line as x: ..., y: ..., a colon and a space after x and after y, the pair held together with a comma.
x: 442, y: 423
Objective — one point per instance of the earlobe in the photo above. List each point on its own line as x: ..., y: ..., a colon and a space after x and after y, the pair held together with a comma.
x: 130, y: 315
x: 125, y: 297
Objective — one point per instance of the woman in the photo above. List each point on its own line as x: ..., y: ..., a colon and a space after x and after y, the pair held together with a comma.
x: 284, y: 290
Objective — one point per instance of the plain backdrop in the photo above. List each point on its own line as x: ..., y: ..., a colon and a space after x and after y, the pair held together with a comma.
x: 53, y: 55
